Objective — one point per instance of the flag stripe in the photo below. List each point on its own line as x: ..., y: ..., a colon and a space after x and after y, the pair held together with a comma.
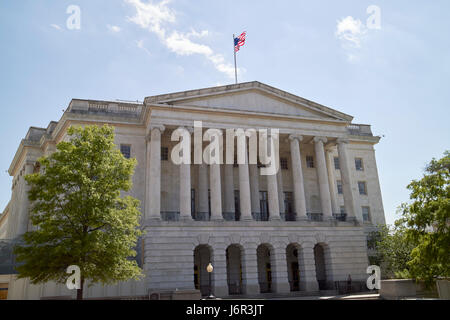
x: 239, y: 41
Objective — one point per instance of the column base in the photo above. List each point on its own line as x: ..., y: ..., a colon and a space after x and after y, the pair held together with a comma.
x: 247, y: 218
x: 277, y: 218
x: 353, y: 219
x: 256, y: 216
x: 301, y: 218
x: 229, y: 216
x: 202, y: 216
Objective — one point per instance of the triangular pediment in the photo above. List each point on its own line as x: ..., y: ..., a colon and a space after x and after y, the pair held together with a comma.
x: 252, y: 97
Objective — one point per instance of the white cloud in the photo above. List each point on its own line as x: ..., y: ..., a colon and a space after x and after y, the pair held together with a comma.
x: 182, y: 45
x: 157, y: 18
x: 114, y: 28
x: 140, y: 45
x: 152, y: 16
x: 202, y: 34
x: 55, y: 26
x: 351, y: 31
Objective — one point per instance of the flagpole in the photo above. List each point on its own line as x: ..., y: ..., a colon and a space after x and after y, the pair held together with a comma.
x: 235, y: 65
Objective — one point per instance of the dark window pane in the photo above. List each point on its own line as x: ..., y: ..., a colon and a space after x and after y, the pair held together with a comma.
x: 339, y: 186
x: 164, y: 153
x: 309, y: 161
x: 284, y: 163
x: 359, y: 164
x: 362, y: 187
x: 336, y: 163
x: 126, y: 150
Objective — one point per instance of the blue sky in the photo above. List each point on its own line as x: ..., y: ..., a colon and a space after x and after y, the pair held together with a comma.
x: 395, y: 78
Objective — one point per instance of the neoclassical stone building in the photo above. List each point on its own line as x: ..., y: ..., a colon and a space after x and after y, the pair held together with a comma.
x: 299, y: 230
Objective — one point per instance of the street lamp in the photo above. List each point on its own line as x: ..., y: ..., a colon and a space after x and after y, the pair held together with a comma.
x: 210, y: 269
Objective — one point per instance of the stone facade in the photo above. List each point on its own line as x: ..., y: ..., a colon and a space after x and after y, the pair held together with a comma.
x: 299, y: 230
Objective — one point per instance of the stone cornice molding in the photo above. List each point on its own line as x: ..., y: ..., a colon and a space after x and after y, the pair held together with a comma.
x: 342, y: 140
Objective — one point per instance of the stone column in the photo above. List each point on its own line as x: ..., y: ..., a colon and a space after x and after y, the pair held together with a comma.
x: 280, y: 281
x: 322, y: 174
x: 244, y: 190
x: 22, y: 226
x: 148, y: 146
x: 185, y: 186
x: 250, y: 269
x: 154, y: 183
x: 272, y: 192
x: 344, y: 164
x: 332, y: 181
x: 299, y: 187
x: 280, y: 194
x: 216, y: 191
x: 254, y: 190
x: 203, y: 207
x: 229, y: 211
x: 306, y: 262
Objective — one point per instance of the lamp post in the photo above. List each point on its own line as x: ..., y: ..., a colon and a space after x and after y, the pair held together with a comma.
x: 210, y: 269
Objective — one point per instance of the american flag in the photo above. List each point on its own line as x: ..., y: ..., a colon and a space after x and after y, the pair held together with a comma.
x: 239, y: 41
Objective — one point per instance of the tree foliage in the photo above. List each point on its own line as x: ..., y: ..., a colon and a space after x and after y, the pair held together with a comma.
x: 418, y: 245
x: 392, y: 251
x: 426, y: 220
x: 78, y: 214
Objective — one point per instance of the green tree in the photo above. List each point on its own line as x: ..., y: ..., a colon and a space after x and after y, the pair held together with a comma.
x: 426, y: 220
x: 78, y: 214
x: 392, y: 251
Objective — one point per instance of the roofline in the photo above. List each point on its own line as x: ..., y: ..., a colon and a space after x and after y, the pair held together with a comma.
x: 204, y: 92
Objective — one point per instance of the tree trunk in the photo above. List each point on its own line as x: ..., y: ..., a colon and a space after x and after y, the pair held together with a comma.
x: 80, y: 291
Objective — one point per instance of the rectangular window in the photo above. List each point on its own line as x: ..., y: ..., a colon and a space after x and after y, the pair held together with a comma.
x: 289, y: 206
x: 284, y: 163
x: 309, y: 162
x: 362, y: 187
x: 264, y: 205
x: 193, y: 203
x: 237, y: 205
x: 336, y: 163
x: 126, y: 150
x: 342, y: 209
x: 366, y: 213
x: 339, y: 186
x: 359, y: 164
x: 164, y: 153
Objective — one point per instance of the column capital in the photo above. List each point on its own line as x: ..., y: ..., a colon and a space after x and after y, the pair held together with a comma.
x: 160, y: 127
x: 341, y: 140
x: 295, y: 137
x: 320, y: 139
